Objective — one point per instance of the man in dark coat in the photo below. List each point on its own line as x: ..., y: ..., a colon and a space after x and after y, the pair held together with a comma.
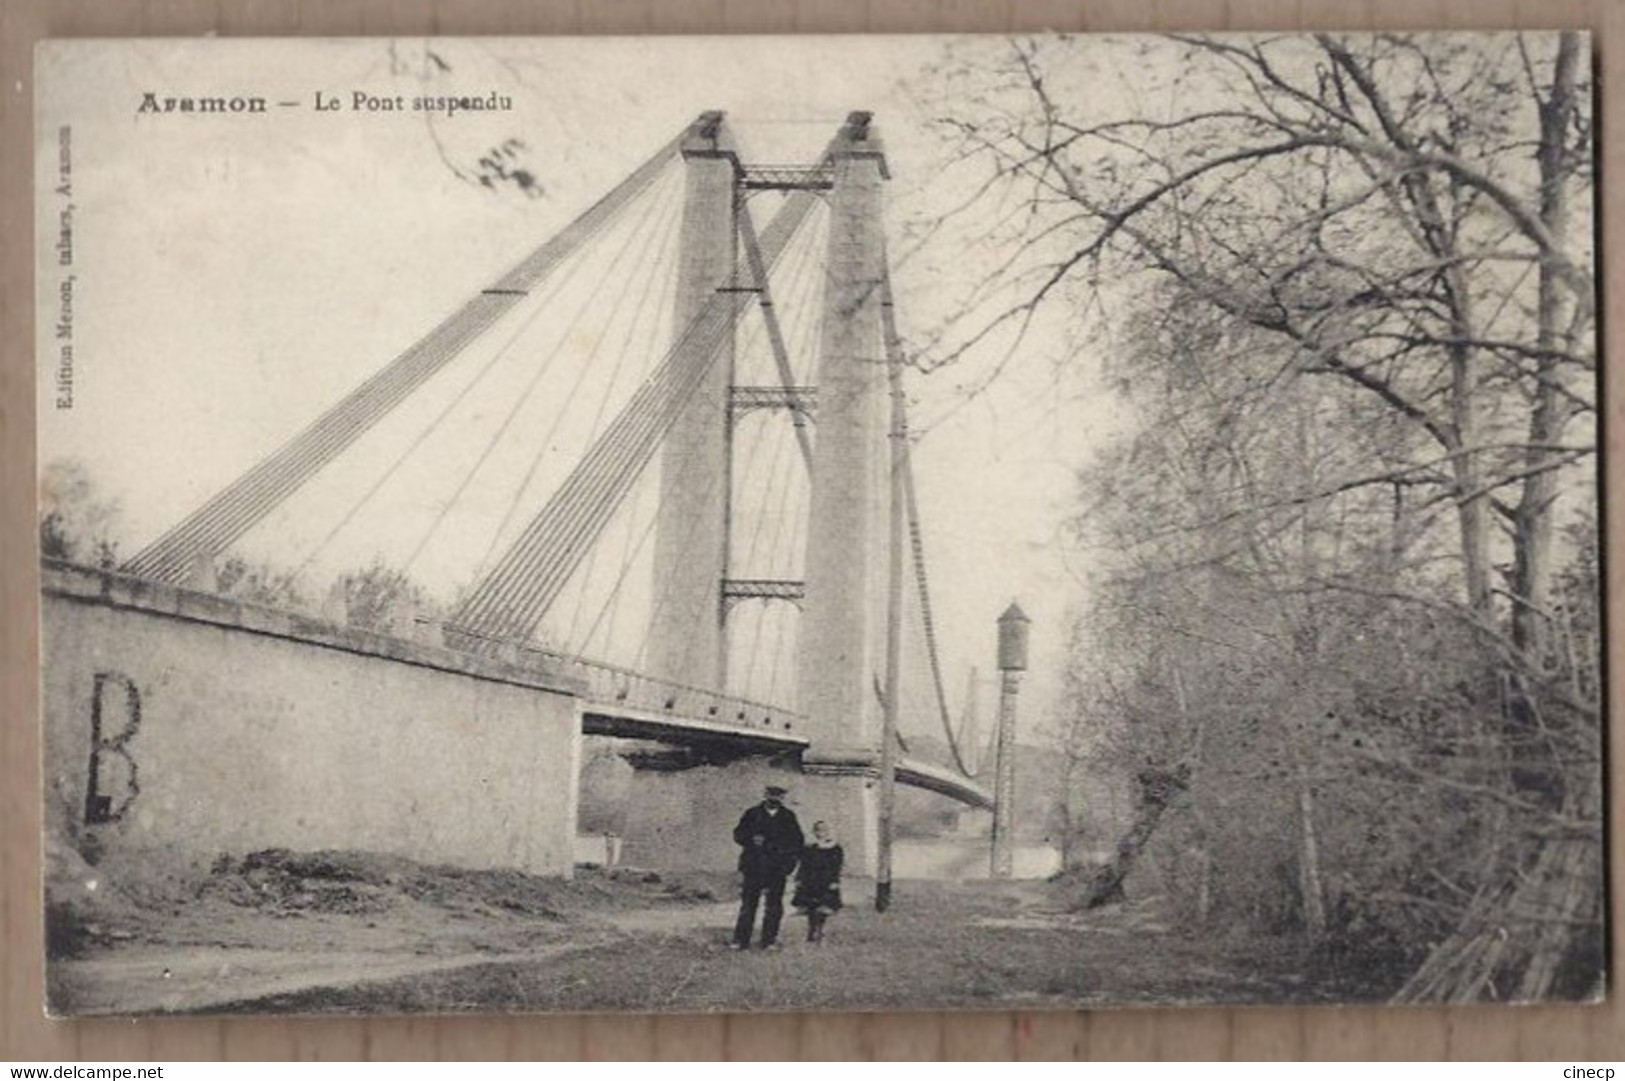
x: 770, y: 841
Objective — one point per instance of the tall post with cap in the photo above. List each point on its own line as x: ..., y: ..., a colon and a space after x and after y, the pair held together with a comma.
x: 1013, y: 626
x: 898, y: 442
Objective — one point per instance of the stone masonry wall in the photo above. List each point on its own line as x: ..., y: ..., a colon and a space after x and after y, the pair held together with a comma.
x: 208, y: 726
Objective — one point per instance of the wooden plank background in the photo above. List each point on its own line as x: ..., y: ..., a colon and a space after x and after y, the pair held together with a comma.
x: 1573, y: 1034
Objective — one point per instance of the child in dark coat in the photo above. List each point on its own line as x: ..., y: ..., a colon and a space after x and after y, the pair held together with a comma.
x: 818, y: 880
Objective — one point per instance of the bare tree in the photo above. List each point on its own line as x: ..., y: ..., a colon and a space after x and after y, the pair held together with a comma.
x: 379, y: 597
x: 76, y: 520
x: 1360, y: 337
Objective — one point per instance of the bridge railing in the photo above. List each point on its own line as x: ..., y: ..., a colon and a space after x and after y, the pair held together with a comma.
x: 610, y: 685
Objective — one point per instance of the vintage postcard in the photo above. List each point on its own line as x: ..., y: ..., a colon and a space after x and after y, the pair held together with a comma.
x: 796, y: 523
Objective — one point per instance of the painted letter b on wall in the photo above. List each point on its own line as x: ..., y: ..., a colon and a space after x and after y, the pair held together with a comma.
x: 114, y: 720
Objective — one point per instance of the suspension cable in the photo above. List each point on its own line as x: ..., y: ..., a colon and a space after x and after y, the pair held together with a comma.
x: 511, y: 600
x: 628, y: 245
x: 894, y: 356
x: 246, y: 501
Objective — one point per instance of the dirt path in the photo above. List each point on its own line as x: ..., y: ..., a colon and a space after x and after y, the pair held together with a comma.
x: 942, y: 945
x: 425, y: 940
x: 280, y: 923
x: 197, y: 979
x: 675, y: 920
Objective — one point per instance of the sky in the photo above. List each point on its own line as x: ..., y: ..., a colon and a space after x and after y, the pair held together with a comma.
x: 235, y: 275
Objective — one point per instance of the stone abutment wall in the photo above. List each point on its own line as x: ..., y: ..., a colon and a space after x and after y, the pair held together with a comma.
x: 185, y: 722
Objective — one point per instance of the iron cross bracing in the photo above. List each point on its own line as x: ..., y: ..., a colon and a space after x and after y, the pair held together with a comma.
x: 767, y: 589
x: 819, y: 177
x: 802, y: 400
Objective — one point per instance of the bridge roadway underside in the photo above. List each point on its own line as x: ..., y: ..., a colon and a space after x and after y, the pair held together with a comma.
x: 690, y: 741
x: 694, y: 778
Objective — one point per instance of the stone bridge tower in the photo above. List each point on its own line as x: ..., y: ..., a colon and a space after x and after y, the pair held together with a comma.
x: 682, y: 816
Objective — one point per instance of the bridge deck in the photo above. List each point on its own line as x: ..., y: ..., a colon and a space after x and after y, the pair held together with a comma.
x: 862, y: 762
x: 629, y: 705
x: 630, y: 722
x: 625, y: 703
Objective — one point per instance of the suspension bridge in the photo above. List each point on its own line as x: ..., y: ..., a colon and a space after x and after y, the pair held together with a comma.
x: 665, y: 458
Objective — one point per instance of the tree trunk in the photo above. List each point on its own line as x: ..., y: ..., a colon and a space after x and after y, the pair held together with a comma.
x: 1532, y: 568
x: 1553, y: 897
x: 1202, y: 857
x: 1532, y: 633
x: 1157, y: 789
x: 1314, y: 904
